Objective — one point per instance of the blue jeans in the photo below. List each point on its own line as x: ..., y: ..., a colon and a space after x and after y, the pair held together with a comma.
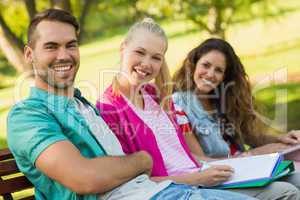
x: 186, y: 192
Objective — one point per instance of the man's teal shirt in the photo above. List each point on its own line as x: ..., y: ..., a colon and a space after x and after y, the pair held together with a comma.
x: 39, y: 121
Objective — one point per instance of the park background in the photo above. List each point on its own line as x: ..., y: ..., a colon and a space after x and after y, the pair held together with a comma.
x: 264, y: 33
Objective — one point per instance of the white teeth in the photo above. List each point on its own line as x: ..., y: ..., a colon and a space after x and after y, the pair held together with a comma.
x: 207, y: 82
x: 141, y: 72
x: 62, y: 68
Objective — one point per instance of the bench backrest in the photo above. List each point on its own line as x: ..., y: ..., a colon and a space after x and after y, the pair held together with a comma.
x: 11, y: 179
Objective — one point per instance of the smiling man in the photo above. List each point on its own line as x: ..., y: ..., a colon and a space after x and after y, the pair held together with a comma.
x: 50, y: 135
x: 53, y: 51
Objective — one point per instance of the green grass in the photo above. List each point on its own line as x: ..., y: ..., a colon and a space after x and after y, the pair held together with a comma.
x: 274, y: 99
x: 263, y: 48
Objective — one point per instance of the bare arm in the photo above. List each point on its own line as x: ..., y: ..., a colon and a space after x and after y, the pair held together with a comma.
x: 193, y: 144
x: 257, y: 140
x: 63, y: 162
x: 290, y: 138
x: 268, y: 148
x: 271, y: 143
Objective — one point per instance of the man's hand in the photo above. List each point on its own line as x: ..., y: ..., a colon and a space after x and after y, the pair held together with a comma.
x: 291, y: 138
x: 146, y: 159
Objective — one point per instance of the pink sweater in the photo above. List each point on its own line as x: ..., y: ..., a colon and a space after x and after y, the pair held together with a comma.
x: 132, y: 132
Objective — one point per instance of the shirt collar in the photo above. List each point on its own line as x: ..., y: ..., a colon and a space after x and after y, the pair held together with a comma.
x: 52, y: 100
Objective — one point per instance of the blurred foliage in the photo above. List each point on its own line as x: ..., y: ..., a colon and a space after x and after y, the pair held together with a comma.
x: 15, y: 15
x: 12, y: 11
x: 7, y: 73
x: 108, y: 17
x: 215, y: 16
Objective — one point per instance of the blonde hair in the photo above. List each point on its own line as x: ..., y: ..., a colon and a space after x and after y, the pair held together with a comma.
x: 163, y: 79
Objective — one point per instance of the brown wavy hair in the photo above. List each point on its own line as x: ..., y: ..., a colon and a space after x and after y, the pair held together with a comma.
x: 236, y: 103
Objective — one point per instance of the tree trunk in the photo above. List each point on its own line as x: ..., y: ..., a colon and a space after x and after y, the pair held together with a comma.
x: 12, y: 52
x: 31, y: 8
x: 61, y: 4
x: 6, y: 30
x: 220, y: 33
x: 12, y: 47
x: 215, y: 23
x: 85, y: 10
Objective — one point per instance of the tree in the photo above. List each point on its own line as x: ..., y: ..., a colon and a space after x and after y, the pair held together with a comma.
x: 85, y: 6
x: 13, y: 30
x: 12, y: 46
x: 31, y: 8
x: 61, y: 4
x: 84, y: 13
x: 215, y: 16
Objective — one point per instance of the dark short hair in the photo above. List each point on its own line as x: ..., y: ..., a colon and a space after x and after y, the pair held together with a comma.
x: 50, y: 15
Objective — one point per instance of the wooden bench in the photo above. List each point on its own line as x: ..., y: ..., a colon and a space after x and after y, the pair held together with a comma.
x: 11, y: 179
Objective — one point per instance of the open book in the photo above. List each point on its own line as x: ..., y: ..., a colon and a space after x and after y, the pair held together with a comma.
x: 254, y: 171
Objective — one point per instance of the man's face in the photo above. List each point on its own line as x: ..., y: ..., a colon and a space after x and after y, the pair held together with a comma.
x: 54, y: 55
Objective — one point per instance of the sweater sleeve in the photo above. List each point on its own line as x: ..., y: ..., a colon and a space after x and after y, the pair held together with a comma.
x: 111, y: 117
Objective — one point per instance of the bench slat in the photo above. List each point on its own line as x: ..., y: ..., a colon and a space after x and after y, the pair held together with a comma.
x: 8, y: 167
x: 5, y: 154
x: 14, y: 185
x: 28, y: 198
x: 8, y: 197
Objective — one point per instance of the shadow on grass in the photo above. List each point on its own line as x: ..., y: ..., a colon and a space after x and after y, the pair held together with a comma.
x: 122, y: 31
x: 294, y: 114
x: 267, y: 104
x: 106, y: 33
x: 268, y: 94
x: 182, y: 33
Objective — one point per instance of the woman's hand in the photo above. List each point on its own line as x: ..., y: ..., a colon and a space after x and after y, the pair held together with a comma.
x: 211, y: 176
x: 214, y: 175
x: 291, y: 138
